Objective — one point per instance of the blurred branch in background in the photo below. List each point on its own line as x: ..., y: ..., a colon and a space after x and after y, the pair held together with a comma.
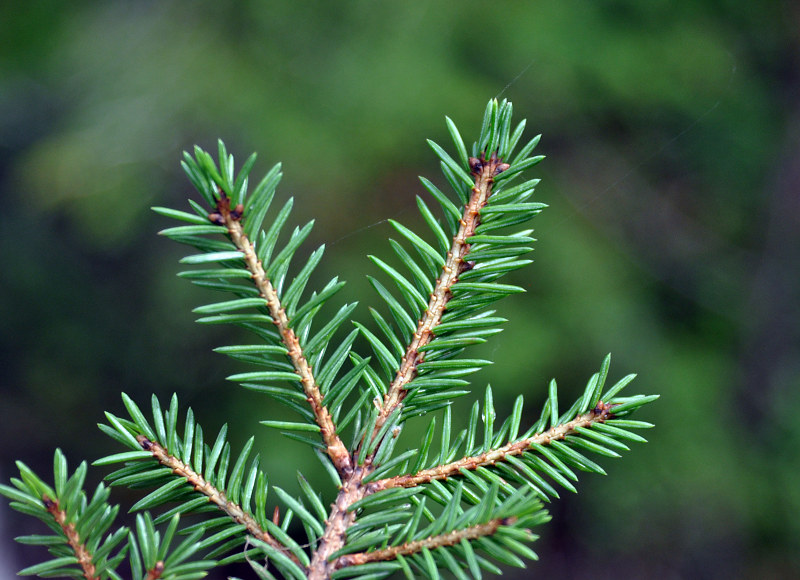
x: 771, y: 341
x: 697, y: 227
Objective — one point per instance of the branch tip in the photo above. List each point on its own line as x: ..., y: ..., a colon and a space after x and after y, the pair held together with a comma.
x: 223, y: 211
x: 603, y: 411
x: 146, y: 444
x: 156, y: 571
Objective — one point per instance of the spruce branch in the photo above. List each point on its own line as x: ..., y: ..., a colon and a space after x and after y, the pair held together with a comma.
x: 81, y: 545
x: 354, y: 489
x: 430, y: 543
x: 484, y: 171
x: 600, y: 414
x: 198, y: 478
x: 83, y: 556
x: 231, y: 220
x: 214, y: 495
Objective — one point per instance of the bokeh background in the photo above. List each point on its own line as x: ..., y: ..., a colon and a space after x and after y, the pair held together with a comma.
x: 672, y: 240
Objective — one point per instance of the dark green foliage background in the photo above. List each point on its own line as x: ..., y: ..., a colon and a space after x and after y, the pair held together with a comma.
x: 672, y: 131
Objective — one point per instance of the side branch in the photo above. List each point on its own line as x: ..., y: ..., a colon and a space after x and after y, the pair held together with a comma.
x: 81, y: 553
x: 431, y: 543
x: 214, y: 495
x: 231, y: 218
x: 484, y: 171
x: 599, y: 414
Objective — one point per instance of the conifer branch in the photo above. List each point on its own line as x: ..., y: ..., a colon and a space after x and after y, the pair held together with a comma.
x: 354, y: 489
x: 83, y: 555
x: 214, y: 495
x: 600, y: 414
x: 430, y: 543
x: 484, y: 171
x: 487, y: 500
x: 231, y: 219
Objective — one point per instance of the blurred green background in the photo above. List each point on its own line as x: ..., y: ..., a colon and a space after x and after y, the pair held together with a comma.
x: 672, y: 240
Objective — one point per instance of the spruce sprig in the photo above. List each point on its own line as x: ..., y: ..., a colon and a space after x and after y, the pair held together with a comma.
x: 463, y: 502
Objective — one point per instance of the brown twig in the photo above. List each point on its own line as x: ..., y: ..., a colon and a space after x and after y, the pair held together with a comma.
x: 214, y: 495
x: 74, y: 541
x: 340, y: 519
x: 599, y: 414
x: 431, y: 543
x: 484, y: 171
x: 231, y: 219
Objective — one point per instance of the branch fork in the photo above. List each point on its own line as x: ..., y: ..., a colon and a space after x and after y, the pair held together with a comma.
x: 354, y: 489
